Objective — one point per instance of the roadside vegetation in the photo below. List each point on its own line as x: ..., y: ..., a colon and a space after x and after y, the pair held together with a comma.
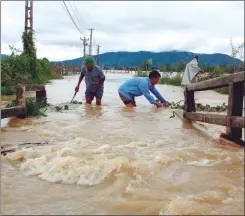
x: 24, y: 67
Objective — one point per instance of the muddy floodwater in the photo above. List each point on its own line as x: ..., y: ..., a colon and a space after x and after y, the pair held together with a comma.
x: 112, y: 160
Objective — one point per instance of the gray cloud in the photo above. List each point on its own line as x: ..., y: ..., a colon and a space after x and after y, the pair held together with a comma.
x: 143, y: 24
x: 127, y: 26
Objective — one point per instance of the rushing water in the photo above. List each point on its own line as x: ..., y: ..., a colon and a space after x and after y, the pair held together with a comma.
x: 112, y: 160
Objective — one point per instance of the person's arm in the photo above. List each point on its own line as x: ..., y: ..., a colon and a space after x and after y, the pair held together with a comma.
x: 158, y: 95
x: 80, y: 80
x: 102, y: 77
x: 95, y: 89
x: 143, y: 85
x: 194, y: 68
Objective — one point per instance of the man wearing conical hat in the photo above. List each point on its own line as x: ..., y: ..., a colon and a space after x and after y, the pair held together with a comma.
x: 94, y: 79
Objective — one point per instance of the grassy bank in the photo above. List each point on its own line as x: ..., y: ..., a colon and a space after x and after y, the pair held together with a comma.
x: 224, y: 90
x: 166, y: 79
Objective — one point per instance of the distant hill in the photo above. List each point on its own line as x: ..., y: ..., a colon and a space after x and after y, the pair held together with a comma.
x: 133, y: 59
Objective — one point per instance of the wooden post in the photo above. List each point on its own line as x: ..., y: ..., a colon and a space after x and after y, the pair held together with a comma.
x: 40, y: 95
x: 235, y: 107
x: 34, y: 87
x: 189, y: 100
x: 21, y: 99
x: 19, y: 111
x: 217, y: 82
x: 235, y: 121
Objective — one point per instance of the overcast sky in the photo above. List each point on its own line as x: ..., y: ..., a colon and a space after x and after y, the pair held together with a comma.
x: 201, y: 27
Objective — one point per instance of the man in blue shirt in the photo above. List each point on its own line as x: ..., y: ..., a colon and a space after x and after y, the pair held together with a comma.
x: 138, y: 86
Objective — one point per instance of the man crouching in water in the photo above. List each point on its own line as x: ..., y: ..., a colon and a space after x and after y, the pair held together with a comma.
x: 94, y: 79
x: 138, y: 86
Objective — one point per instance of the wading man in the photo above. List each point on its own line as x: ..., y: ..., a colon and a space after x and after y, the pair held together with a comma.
x: 94, y: 79
x: 138, y: 86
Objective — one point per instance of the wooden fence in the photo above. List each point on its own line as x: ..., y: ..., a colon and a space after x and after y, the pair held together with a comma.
x: 234, y: 120
x: 20, y: 109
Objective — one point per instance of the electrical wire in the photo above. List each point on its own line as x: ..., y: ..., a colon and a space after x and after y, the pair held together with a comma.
x: 78, y: 13
x: 72, y: 19
x: 77, y: 17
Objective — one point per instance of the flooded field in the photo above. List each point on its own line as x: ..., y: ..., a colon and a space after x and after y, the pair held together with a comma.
x: 112, y: 160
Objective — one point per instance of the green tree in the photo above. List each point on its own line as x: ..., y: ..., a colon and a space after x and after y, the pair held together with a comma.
x: 29, y: 49
x: 149, y: 63
x: 24, y: 67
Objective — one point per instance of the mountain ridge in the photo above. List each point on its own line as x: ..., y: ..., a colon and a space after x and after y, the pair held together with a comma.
x: 134, y: 59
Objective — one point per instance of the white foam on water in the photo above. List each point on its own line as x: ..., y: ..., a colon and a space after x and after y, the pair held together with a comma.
x: 73, y: 170
x: 73, y: 162
x: 203, y: 162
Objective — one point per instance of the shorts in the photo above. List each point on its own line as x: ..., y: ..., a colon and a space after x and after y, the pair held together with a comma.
x: 126, y: 100
x: 97, y: 95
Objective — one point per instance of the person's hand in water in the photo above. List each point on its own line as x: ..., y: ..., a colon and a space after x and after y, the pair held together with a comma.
x: 165, y: 104
x: 158, y: 105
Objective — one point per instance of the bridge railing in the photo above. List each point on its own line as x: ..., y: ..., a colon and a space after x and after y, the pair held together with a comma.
x: 20, y: 109
x: 234, y: 120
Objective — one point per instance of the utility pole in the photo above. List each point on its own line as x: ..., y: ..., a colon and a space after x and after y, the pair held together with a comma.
x: 90, y: 44
x: 84, y: 40
x: 98, y: 55
x: 29, y: 16
x: 29, y: 29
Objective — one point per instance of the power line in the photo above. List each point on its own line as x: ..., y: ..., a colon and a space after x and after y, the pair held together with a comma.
x: 78, y: 13
x: 91, y: 45
x: 93, y: 42
x: 72, y: 18
x: 76, y: 16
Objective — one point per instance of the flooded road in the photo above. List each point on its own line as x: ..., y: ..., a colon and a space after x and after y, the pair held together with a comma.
x: 112, y: 160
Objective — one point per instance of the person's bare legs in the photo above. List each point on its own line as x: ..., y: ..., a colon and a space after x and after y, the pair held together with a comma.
x: 89, y: 100
x: 130, y: 105
x: 98, y: 102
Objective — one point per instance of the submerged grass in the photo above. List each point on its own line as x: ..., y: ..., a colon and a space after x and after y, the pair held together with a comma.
x: 33, y: 107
